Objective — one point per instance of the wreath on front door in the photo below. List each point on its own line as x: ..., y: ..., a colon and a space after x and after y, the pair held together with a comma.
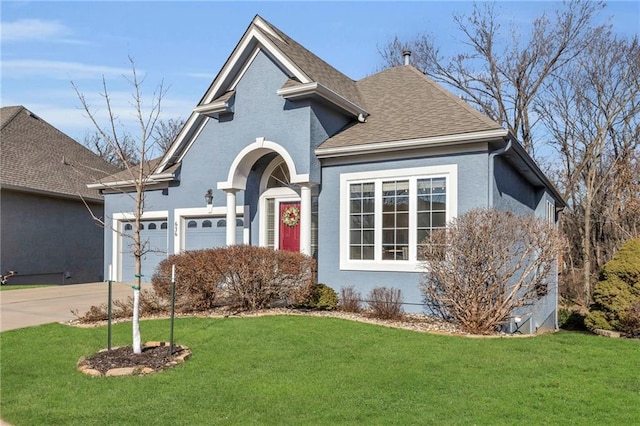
x: 291, y: 216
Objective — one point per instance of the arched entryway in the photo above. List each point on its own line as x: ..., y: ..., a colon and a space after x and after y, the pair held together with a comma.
x: 285, y: 197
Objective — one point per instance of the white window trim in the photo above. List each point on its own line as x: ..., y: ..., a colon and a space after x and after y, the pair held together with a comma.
x: 181, y: 215
x: 116, y: 239
x: 450, y: 172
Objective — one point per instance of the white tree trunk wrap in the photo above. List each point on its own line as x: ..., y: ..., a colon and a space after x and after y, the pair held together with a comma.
x: 137, y: 346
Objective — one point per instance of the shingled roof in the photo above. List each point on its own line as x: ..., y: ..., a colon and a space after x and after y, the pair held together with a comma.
x: 314, y: 67
x: 37, y: 157
x: 405, y: 104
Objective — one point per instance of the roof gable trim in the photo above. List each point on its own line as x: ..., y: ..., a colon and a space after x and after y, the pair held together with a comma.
x: 316, y: 89
x: 243, y: 54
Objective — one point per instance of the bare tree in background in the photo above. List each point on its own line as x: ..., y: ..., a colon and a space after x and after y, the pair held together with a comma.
x: 568, y: 84
x: 126, y: 154
x: 166, y: 132
x: 592, y: 110
x: 147, y: 118
x: 485, y: 265
x: 502, y: 74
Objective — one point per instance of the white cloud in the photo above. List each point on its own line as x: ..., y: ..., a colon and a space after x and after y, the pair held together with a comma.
x: 35, y: 30
x: 20, y: 68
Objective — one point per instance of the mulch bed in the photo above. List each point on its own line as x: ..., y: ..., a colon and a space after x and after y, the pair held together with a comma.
x: 155, y: 357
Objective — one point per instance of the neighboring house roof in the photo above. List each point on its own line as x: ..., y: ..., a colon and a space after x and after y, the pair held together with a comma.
x: 126, y: 179
x: 37, y: 157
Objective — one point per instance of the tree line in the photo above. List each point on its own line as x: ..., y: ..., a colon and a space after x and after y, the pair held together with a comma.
x: 569, y: 90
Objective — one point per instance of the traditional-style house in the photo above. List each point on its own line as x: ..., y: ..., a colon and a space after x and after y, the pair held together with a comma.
x: 285, y: 151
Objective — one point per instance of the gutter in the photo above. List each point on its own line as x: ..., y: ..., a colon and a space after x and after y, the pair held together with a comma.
x: 491, y: 179
x: 435, y: 141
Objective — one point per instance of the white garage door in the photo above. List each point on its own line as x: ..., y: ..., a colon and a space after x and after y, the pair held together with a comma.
x: 208, y: 232
x: 153, y: 234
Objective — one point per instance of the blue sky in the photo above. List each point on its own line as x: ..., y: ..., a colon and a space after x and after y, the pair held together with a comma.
x: 45, y: 45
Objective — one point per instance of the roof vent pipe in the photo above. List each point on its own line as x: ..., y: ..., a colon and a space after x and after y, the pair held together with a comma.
x: 407, y: 55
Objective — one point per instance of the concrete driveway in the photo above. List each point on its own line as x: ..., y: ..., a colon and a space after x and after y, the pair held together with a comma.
x: 42, y: 305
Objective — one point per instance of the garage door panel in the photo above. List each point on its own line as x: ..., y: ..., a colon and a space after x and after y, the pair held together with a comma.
x: 208, y: 232
x: 153, y: 234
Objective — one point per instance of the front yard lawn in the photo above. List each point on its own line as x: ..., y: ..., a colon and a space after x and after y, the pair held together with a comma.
x: 311, y: 370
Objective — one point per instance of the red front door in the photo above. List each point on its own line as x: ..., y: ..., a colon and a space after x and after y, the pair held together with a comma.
x: 289, y: 226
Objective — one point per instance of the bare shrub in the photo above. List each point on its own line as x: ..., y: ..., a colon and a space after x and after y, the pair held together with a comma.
x: 150, y: 304
x: 198, y: 279
x: 487, y: 264
x: 254, y: 277
x: 385, y: 303
x: 350, y: 299
x: 631, y: 320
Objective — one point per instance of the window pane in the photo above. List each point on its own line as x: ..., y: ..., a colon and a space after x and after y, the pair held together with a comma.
x: 355, y: 190
x: 422, y: 234
x: 356, y: 206
x: 355, y: 237
x: 388, y: 237
x: 438, y: 185
x: 367, y: 252
x: 368, y: 237
x: 206, y: 224
x: 355, y: 252
x: 424, y: 219
x: 439, y: 220
x: 368, y: 205
x: 439, y: 202
x: 368, y: 221
x: 361, y: 217
x: 368, y: 190
x: 402, y: 220
x: 431, y: 216
x: 402, y: 236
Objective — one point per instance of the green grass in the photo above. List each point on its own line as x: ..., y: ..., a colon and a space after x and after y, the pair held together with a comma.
x: 23, y: 286
x: 309, y: 370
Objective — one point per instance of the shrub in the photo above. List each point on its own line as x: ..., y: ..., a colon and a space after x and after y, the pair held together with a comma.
x: 350, y: 300
x: 254, y: 277
x: 246, y: 277
x: 385, y: 303
x: 198, y: 279
x: 486, y: 264
x: 322, y: 297
x: 618, y: 291
x: 631, y: 321
x: 150, y: 304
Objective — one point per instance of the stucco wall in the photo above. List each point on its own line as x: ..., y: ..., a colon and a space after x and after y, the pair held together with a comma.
x: 44, y: 238
x: 259, y: 112
x: 472, y: 192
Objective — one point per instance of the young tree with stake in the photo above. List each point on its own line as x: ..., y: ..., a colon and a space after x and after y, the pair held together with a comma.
x: 119, y: 143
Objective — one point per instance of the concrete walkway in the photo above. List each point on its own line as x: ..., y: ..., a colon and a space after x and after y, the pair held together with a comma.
x: 42, y: 305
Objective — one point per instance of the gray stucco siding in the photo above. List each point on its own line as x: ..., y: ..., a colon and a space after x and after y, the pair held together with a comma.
x: 45, y: 237
x: 472, y: 193
x: 511, y: 191
x: 258, y: 112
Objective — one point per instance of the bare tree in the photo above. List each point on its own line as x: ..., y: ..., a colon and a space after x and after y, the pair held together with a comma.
x: 128, y: 151
x: 502, y: 75
x: 166, y: 132
x: 147, y: 119
x: 592, y: 111
x: 487, y: 264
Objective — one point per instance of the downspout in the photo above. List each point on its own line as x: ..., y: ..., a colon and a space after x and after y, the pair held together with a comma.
x: 492, y: 157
